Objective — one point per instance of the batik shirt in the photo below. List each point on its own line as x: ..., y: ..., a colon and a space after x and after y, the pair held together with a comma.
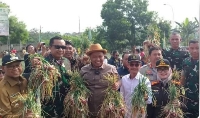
x: 191, y: 74
x: 175, y: 57
x: 54, y: 107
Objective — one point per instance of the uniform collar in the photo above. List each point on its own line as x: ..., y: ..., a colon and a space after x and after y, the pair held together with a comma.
x: 13, y: 81
x: 176, y: 49
x: 102, y: 67
x: 136, y: 77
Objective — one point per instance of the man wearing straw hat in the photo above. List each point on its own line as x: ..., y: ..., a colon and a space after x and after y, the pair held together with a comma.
x: 94, y: 74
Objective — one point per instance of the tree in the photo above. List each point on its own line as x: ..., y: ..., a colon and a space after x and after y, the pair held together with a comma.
x: 125, y: 23
x: 188, y: 29
x: 17, y: 29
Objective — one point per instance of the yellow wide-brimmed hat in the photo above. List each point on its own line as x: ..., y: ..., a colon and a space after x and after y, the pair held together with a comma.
x: 95, y: 48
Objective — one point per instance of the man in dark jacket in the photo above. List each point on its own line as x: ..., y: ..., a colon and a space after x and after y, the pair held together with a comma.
x: 115, y: 60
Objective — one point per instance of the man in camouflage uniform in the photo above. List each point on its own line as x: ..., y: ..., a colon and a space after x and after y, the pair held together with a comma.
x: 175, y: 54
x: 76, y: 63
x: 190, y: 80
x: 54, y: 107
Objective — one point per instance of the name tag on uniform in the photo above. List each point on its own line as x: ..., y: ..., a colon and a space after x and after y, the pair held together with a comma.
x: 149, y: 72
x: 155, y: 91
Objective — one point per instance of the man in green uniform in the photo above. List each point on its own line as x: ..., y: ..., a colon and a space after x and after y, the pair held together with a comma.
x: 190, y: 80
x: 76, y: 64
x: 175, y: 54
x: 54, y: 107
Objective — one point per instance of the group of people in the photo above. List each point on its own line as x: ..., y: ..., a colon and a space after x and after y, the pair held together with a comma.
x: 92, y: 67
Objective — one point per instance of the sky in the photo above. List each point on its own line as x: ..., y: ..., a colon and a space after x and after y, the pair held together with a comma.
x: 63, y: 15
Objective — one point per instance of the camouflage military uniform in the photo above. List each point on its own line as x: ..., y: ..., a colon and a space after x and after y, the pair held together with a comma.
x: 191, y: 74
x: 175, y: 57
x: 76, y: 64
x: 54, y: 107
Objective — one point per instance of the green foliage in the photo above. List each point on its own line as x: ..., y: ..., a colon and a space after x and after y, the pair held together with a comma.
x: 126, y: 23
x: 17, y: 29
x: 188, y: 29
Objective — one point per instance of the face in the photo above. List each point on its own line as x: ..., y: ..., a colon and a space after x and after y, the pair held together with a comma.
x: 58, y: 49
x: 125, y: 60
x: 194, y: 50
x: 116, y: 55
x: 134, y: 67
x: 155, y: 56
x: 69, y: 51
x: 31, y: 49
x: 97, y: 59
x: 175, y: 40
x: 163, y: 72
x: 13, y: 69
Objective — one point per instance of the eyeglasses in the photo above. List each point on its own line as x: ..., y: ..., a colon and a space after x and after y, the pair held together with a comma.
x: 13, y: 66
x: 136, y: 65
x: 162, y: 70
x: 59, y: 46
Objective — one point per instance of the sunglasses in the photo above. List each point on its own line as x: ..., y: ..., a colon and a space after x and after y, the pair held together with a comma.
x: 1, y: 72
x: 136, y: 65
x: 59, y: 46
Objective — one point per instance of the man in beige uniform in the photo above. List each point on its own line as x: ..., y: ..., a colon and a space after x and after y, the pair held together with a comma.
x: 94, y: 74
x: 149, y: 69
x: 12, y: 85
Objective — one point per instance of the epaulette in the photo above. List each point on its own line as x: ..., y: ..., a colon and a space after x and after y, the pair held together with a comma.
x: 176, y: 82
x: 154, y: 83
x: 2, y: 82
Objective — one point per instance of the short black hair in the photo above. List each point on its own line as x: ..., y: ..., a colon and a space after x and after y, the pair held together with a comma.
x: 67, y: 42
x: 54, y: 38
x: 115, y: 51
x: 154, y: 48
x: 28, y: 46
x: 193, y: 41
x: 141, y: 49
x: 138, y: 50
x: 124, y: 54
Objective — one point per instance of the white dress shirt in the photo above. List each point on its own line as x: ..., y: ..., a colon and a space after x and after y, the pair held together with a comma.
x: 127, y: 88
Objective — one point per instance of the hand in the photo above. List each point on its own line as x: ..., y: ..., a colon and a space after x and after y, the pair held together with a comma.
x: 30, y: 114
x: 116, y: 86
x: 176, y: 103
x: 146, y: 97
x: 35, y: 62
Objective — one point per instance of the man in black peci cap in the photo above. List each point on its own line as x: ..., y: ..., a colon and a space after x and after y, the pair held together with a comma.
x: 130, y: 81
x: 12, y: 85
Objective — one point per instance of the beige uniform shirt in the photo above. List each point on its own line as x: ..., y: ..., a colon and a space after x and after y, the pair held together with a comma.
x: 149, y: 72
x: 10, y: 106
x: 97, y: 84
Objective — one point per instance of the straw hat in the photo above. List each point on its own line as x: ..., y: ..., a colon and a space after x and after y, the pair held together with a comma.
x: 95, y: 48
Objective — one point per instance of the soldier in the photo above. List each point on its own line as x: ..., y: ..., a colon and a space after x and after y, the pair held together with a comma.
x: 190, y: 80
x: 69, y: 54
x: 12, y: 86
x: 123, y: 70
x: 149, y: 70
x: 175, y: 54
x: 54, y: 107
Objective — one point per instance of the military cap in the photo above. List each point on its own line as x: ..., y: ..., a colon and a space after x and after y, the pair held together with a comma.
x: 134, y: 57
x: 162, y: 63
x: 9, y: 58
